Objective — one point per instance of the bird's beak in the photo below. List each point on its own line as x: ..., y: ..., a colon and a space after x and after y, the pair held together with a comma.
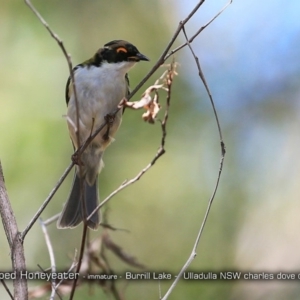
x: 142, y: 57
x: 138, y: 57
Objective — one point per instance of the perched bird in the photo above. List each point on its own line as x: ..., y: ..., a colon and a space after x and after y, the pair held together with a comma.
x: 101, y: 83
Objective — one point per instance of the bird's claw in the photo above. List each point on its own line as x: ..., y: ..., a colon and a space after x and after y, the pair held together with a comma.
x: 76, y: 159
x: 109, y: 120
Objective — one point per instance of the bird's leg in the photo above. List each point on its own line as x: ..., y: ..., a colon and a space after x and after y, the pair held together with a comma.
x: 109, y: 121
x: 93, y: 123
x: 76, y: 156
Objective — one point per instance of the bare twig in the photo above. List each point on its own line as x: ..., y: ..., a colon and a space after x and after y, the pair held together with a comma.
x: 51, y: 219
x: 119, y: 251
x: 74, y: 264
x: 201, y: 75
x: 190, y: 40
x: 52, y: 258
x: 159, y: 289
x: 105, y: 240
x: 66, y: 54
x: 7, y: 289
x: 53, y: 288
x: 163, y: 56
x: 83, y: 239
x: 46, y: 202
x: 14, y: 240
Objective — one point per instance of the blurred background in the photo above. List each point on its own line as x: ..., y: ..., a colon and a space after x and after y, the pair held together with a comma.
x: 250, y: 57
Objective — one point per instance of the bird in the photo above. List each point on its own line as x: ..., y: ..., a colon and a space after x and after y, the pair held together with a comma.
x: 101, y: 82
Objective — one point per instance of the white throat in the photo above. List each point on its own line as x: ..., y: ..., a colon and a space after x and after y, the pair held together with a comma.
x: 122, y: 67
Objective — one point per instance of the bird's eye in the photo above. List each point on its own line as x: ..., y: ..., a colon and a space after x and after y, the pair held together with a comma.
x: 121, y: 49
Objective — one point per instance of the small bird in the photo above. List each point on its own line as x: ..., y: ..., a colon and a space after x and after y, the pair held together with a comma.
x: 101, y: 83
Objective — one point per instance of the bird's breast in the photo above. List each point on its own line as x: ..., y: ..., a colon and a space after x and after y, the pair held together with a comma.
x: 99, y: 91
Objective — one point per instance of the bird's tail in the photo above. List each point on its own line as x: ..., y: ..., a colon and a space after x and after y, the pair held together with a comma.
x: 74, y: 212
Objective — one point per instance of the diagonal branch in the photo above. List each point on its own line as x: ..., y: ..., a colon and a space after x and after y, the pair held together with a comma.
x: 46, y: 202
x: 190, y: 40
x: 164, y: 56
x: 7, y: 289
x: 66, y: 54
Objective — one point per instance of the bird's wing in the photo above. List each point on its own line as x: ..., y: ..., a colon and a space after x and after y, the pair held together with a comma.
x: 69, y: 86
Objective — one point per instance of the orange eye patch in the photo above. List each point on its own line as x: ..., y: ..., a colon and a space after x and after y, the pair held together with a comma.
x: 122, y: 49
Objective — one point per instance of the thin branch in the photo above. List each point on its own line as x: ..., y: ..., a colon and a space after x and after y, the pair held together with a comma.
x: 46, y: 202
x: 159, y: 289
x: 201, y: 75
x: 163, y: 56
x: 51, y: 219
x: 66, y: 54
x: 7, y: 289
x: 53, y: 289
x: 51, y: 255
x: 113, y: 288
x: 74, y: 264
x: 83, y: 239
x: 190, y: 40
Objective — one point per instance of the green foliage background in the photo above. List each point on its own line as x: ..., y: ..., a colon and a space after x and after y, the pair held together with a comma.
x: 254, y: 220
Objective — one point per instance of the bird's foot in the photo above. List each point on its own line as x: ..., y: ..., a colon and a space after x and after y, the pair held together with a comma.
x: 76, y: 159
x: 109, y: 120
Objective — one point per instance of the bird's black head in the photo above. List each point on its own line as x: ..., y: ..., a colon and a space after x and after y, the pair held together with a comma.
x: 119, y: 51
